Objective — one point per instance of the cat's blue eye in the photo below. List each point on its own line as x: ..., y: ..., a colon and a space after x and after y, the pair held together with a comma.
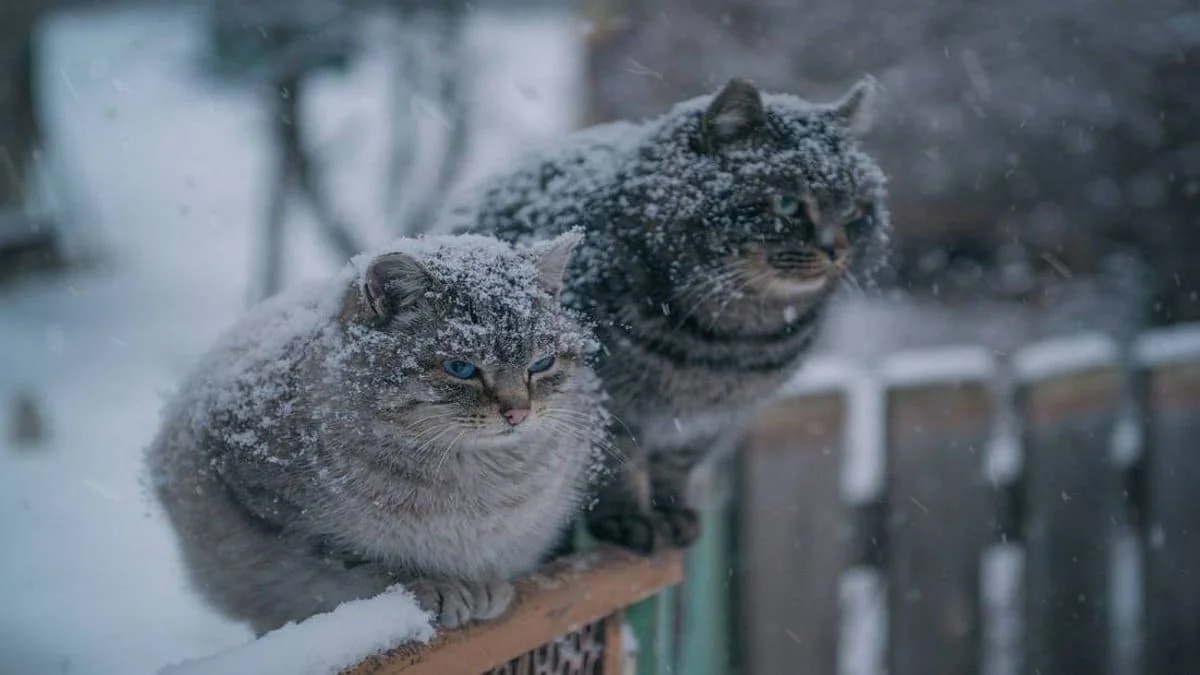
x: 463, y: 370
x: 785, y: 205
x: 541, y: 365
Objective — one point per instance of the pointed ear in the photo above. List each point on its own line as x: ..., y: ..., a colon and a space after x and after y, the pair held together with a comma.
x: 551, y: 260
x: 735, y: 112
x: 391, y: 282
x: 856, y: 109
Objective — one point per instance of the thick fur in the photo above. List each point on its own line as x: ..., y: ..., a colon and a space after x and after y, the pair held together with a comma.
x: 702, y: 266
x: 322, y: 451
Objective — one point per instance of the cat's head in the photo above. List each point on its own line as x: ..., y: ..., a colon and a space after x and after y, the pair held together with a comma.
x: 770, y: 193
x: 463, y: 339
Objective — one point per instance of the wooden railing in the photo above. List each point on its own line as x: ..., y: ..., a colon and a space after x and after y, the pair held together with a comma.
x: 949, y: 511
x: 567, y: 619
x: 944, y: 512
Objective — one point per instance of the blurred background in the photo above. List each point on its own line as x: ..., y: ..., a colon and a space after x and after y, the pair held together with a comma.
x: 164, y: 164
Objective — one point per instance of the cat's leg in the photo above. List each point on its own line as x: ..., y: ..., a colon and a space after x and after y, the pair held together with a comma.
x: 670, y: 473
x: 453, y: 602
x: 662, y: 520
x: 640, y: 503
x: 620, y: 513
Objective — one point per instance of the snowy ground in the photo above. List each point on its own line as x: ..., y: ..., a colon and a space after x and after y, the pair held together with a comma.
x: 174, y: 174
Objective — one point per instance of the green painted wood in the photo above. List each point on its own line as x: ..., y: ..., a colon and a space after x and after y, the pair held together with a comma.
x: 665, y: 623
x: 705, y: 620
x: 652, y: 622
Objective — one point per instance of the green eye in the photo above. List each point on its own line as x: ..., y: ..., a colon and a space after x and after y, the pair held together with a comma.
x: 785, y: 205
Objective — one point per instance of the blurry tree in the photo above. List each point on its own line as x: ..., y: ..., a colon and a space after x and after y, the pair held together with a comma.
x: 26, y: 238
x: 27, y: 423
x: 277, y: 46
x: 282, y: 46
x: 1024, y: 140
x: 441, y: 55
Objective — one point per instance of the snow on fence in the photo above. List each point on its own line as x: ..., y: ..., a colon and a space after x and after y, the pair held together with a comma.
x: 568, y: 618
x: 956, y: 512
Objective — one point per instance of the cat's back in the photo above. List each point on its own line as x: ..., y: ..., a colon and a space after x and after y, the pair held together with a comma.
x: 552, y: 188
x: 235, y: 387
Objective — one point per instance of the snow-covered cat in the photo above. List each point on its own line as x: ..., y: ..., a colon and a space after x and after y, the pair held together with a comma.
x: 714, y: 236
x: 424, y: 418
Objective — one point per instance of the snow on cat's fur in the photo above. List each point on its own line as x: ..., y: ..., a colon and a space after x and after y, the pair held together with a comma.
x: 333, y: 443
x: 714, y: 237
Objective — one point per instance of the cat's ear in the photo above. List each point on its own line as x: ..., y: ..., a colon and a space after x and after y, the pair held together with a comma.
x: 551, y: 260
x: 734, y: 113
x: 391, y: 283
x: 856, y: 109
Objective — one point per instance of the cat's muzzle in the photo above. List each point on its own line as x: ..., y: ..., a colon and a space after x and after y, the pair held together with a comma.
x: 806, y: 263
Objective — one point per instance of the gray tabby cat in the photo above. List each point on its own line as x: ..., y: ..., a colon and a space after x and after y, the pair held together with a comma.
x: 715, y: 236
x: 425, y: 419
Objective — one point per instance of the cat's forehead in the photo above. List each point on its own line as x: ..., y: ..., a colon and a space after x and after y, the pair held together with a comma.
x: 479, y: 271
x: 808, y: 154
x: 500, y: 324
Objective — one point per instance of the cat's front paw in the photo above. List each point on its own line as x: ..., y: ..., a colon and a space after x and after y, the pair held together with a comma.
x: 681, y: 523
x: 648, y: 532
x: 454, y: 603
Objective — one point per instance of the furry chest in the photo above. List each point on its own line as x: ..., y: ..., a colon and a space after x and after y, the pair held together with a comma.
x: 463, y: 537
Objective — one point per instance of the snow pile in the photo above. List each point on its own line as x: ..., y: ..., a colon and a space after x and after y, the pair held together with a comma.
x: 323, y: 644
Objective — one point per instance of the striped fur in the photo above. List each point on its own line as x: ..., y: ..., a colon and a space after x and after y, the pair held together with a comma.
x: 714, y: 238
x: 323, y: 451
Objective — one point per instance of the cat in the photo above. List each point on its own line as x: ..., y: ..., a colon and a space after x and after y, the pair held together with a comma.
x: 427, y: 418
x: 714, y: 238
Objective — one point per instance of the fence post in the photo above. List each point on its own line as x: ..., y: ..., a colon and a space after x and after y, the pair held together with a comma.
x: 939, y: 423
x: 1069, y: 395
x: 1172, y: 362
x: 792, y: 530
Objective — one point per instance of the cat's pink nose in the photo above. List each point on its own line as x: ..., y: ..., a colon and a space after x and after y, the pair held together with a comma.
x: 516, y: 415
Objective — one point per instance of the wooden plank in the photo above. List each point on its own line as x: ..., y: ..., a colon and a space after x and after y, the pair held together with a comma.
x: 1072, y: 500
x: 1173, y: 559
x: 792, y: 528
x: 563, y: 596
x: 614, y: 649
x: 937, y: 437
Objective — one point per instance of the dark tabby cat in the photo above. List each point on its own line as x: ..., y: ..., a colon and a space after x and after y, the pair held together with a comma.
x: 424, y: 419
x: 715, y: 236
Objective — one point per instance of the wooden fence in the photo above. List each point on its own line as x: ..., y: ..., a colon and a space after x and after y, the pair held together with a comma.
x: 954, y: 512
x: 569, y: 618
x: 948, y: 512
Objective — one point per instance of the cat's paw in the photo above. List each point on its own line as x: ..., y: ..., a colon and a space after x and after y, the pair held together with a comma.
x: 681, y: 524
x: 454, y: 603
x: 648, y: 532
